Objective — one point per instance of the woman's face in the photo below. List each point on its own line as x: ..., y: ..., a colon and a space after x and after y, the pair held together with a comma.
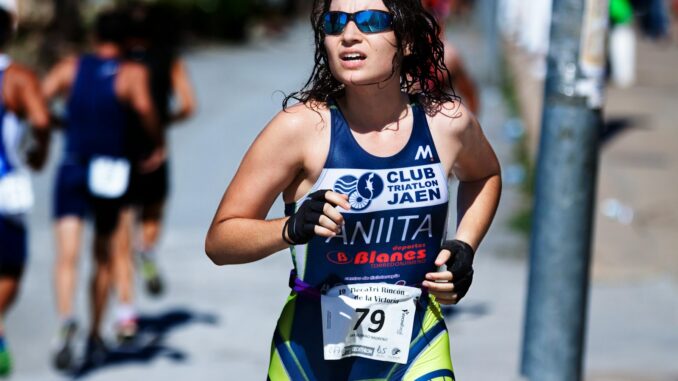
x: 358, y: 58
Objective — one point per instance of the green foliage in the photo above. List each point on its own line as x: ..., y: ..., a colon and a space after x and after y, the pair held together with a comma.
x: 522, y: 221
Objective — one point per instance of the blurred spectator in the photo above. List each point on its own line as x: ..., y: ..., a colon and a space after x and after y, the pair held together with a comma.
x: 653, y: 17
x: 20, y: 97
x: 461, y: 80
x: 622, y: 43
x: 527, y: 24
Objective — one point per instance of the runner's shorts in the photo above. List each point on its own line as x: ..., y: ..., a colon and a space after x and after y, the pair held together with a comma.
x: 149, y: 188
x: 73, y: 198
x: 12, y: 247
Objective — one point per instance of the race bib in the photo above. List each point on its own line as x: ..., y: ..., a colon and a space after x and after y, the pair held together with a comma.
x: 370, y: 320
x: 108, y: 177
x: 16, y: 193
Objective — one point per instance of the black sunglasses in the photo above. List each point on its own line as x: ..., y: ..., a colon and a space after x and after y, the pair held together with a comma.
x: 367, y: 21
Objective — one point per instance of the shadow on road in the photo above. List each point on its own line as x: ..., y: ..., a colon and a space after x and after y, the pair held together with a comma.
x: 150, y: 341
x: 472, y: 310
x: 616, y: 126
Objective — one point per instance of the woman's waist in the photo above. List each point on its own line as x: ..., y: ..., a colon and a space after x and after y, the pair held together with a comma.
x: 398, y: 272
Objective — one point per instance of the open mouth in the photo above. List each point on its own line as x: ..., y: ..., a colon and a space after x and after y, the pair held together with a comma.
x: 352, y: 57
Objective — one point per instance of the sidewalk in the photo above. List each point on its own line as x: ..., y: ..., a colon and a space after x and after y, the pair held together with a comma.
x: 639, y: 168
x: 633, y: 323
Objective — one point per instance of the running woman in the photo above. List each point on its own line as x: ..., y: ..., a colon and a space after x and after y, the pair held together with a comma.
x: 362, y: 162
x: 20, y: 98
x: 94, y: 171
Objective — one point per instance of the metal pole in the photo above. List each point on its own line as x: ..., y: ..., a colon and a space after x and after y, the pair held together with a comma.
x: 554, y: 332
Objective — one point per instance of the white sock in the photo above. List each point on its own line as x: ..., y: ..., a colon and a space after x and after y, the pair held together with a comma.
x: 125, y: 312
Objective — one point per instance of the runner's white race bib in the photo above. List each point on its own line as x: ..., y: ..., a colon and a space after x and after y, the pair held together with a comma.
x: 108, y: 177
x: 16, y: 193
x: 370, y: 320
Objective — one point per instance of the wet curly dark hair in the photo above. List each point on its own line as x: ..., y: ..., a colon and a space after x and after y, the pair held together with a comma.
x: 422, y: 70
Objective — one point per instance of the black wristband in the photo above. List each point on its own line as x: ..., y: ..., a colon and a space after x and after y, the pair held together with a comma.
x: 284, y: 237
x: 300, y: 227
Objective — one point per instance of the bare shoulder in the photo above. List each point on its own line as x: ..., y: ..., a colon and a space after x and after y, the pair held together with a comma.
x: 21, y: 75
x: 20, y: 82
x: 300, y: 120
x: 453, y: 119
x: 133, y: 70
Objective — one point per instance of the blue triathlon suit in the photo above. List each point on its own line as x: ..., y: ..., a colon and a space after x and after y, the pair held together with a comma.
x: 13, y: 235
x: 392, y: 234
x: 96, y: 125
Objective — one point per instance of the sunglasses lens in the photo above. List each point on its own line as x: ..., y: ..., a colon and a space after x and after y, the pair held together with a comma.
x: 335, y: 22
x: 373, y: 21
x: 368, y: 21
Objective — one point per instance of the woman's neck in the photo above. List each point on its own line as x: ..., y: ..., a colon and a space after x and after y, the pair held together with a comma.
x: 374, y: 107
x: 107, y: 50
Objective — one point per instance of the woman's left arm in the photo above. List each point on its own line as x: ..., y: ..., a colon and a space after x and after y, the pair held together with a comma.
x: 477, y: 168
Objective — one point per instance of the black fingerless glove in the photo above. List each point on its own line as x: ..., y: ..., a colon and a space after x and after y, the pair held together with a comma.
x: 460, y: 265
x: 300, y: 227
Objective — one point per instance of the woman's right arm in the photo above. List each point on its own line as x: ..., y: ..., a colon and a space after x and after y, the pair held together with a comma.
x: 239, y: 232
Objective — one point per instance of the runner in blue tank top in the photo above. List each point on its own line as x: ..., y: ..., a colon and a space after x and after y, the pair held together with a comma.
x: 94, y: 170
x: 20, y: 98
x: 363, y: 163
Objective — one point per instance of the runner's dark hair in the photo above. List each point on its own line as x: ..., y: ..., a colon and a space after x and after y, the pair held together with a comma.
x: 420, y: 58
x: 6, y: 27
x: 111, y: 26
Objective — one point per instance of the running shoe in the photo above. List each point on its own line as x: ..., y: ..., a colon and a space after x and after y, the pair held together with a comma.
x: 96, y: 351
x: 63, y: 357
x: 126, y: 331
x: 5, y: 363
x: 151, y: 275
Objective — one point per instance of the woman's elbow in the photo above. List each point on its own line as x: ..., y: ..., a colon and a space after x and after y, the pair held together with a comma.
x: 188, y: 110
x: 214, y: 252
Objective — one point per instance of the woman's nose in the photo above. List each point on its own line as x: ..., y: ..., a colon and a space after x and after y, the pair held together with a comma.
x: 351, y: 33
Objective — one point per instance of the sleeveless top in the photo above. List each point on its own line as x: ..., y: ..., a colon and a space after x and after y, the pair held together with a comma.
x: 398, y: 214
x: 392, y: 234
x: 96, y: 119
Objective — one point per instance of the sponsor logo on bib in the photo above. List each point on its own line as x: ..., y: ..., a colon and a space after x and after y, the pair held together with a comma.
x: 398, y: 256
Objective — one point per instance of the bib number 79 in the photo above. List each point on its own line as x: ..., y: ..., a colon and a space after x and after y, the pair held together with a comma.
x: 377, y: 318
